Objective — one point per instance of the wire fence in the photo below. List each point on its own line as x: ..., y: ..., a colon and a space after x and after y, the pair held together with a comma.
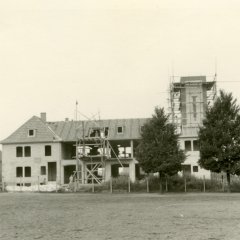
x: 154, y: 184
x: 123, y: 184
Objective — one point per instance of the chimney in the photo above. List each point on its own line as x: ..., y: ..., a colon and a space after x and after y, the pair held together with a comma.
x: 43, y: 116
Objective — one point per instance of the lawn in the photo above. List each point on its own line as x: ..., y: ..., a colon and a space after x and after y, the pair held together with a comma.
x: 119, y: 216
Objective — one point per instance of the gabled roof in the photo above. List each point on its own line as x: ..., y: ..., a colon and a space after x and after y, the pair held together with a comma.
x: 71, y: 130
x: 43, y: 133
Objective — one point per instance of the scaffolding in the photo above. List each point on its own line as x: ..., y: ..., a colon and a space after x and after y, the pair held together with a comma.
x: 93, y: 149
x: 189, y: 99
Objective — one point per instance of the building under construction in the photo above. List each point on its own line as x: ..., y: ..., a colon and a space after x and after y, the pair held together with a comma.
x: 43, y: 153
x: 189, y: 99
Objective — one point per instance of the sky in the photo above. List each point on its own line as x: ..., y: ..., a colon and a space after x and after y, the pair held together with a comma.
x: 114, y: 57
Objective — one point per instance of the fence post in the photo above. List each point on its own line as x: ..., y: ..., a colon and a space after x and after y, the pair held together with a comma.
x: 204, y: 184
x: 222, y: 184
x: 147, y: 185
x: 93, y: 185
x: 160, y: 182
x: 129, y: 184
x: 75, y: 186
x: 38, y: 185
x: 21, y: 184
x: 3, y: 184
x: 111, y: 189
x: 185, y: 185
x: 166, y: 184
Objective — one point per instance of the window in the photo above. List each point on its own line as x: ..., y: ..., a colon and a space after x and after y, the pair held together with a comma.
x: 19, y: 184
x: 19, y: 151
x: 31, y: 132
x: 188, y: 146
x: 27, y: 151
x: 120, y: 130
x: 27, y: 171
x: 27, y: 184
x: 43, y: 170
x: 141, y: 129
x: 186, y: 169
x: 195, y: 145
x: 195, y: 168
x: 19, y: 171
x: 48, y: 150
x: 106, y: 130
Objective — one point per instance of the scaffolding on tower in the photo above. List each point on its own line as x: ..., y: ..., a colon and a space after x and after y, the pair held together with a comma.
x: 189, y: 99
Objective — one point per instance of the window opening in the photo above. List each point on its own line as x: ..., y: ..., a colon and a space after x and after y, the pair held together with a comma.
x: 27, y: 151
x: 19, y: 171
x: 120, y: 130
x: 106, y: 131
x: 188, y: 146
x: 19, y: 151
x: 195, y: 145
x: 48, y: 150
x: 195, y: 168
x: 43, y: 170
x: 27, y: 171
x: 31, y: 132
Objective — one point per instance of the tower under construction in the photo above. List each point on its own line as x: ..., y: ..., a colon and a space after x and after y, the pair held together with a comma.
x: 189, y: 98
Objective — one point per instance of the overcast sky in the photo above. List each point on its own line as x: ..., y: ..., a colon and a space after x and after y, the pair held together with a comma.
x: 114, y: 57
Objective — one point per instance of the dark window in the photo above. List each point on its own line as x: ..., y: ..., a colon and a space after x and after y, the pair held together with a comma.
x: 19, y: 151
x: 141, y: 129
x: 195, y: 168
x: 43, y: 170
x: 94, y: 133
x: 120, y: 130
x: 48, y: 150
x: 27, y: 151
x: 188, y: 146
x: 27, y: 171
x: 106, y: 130
x: 19, y: 184
x: 27, y: 184
x: 186, y: 169
x: 195, y: 145
x: 19, y: 171
x: 30, y: 132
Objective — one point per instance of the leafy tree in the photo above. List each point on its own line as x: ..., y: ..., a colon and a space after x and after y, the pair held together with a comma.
x: 219, y: 137
x: 159, y: 150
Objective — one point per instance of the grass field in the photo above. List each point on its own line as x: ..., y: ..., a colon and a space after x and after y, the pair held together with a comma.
x: 119, y: 216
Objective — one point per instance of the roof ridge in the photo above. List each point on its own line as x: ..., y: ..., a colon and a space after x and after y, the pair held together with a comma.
x: 107, y: 119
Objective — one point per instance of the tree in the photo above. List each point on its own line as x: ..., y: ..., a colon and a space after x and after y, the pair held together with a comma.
x: 219, y: 137
x: 159, y: 150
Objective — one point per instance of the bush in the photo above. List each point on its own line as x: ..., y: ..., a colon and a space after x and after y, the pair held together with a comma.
x: 174, y: 184
x: 235, y: 185
x: 139, y: 186
x: 120, y: 183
